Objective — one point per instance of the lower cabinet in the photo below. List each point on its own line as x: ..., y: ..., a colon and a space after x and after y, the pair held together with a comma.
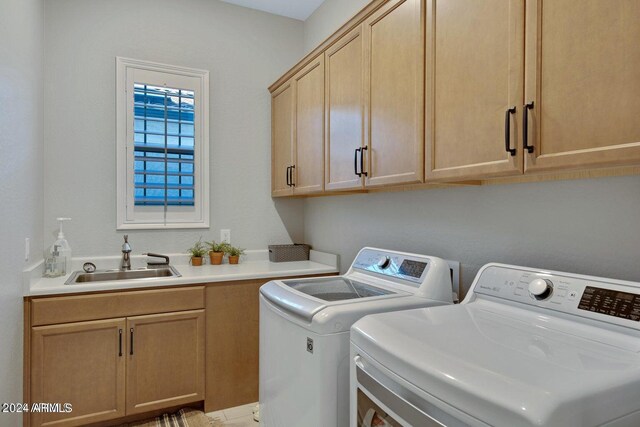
x: 121, y: 356
x: 130, y: 363
x: 233, y: 312
x: 165, y: 360
x: 82, y: 364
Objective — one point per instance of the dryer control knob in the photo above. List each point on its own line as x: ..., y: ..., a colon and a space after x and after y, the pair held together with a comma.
x: 541, y: 288
x: 384, y: 262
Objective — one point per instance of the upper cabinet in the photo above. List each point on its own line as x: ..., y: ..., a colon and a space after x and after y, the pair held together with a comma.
x: 344, y: 118
x: 583, y: 83
x: 434, y: 91
x: 475, y: 54
x: 281, y: 140
x: 308, y: 147
x: 297, y: 133
x: 394, y: 94
x: 564, y: 95
x: 371, y: 91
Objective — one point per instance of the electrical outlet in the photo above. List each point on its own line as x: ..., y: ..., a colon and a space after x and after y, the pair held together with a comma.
x: 225, y: 235
x: 27, y: 249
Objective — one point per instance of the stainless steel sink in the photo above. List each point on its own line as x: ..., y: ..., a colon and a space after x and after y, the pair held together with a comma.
x: 115, y: 275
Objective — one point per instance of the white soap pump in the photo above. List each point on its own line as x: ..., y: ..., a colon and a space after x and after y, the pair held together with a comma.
x: 63, y: 247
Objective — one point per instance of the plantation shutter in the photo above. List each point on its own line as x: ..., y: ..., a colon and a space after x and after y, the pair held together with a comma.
x: 164, y: 146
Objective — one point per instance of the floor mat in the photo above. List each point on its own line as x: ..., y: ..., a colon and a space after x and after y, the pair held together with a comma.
x: 183, y: 418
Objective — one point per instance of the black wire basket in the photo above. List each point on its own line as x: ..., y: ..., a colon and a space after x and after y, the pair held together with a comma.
x: 285, y: 253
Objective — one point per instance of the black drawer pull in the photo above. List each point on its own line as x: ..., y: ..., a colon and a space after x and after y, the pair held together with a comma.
x: 355, y: 162
x: 525, y: 128
x: 507, y: 131
x: 362, y: 171
x: 293, y: 184
x: 131, y: 346
x: 119, y: 342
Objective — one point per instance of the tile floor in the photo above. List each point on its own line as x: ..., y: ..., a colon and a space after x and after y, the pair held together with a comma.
x: 240, y: 416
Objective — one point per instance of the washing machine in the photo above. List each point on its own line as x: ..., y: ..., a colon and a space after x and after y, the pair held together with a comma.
x: 526, y: 347
x: 305, y: 323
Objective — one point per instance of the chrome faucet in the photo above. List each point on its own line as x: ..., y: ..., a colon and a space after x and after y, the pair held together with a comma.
x: 125, y: 263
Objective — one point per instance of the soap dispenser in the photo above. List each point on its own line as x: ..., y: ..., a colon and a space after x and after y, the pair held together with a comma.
x: 61, y: 248
x: 54, y: 265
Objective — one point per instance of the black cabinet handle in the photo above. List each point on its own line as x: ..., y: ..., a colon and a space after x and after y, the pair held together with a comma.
x: 362, y: 171
x: 355, y: 162
x: 119, y: 342
x: 525, y: 127
x: 131, y: 346
x: 293, y: 184
x: 507, y: 131
x: 287, y: 174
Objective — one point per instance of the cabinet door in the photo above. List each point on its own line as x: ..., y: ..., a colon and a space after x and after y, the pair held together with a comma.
x: 232, y: 343
x: 475, y: 54
x: 281, y: 139
x: 308, y: 173
x: 583, y: 77
x: 344, y: 119
x: 394, y: 93
x: 82, y: 364
x: 165, y: 360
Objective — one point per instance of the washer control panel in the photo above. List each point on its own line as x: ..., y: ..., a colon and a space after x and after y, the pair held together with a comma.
x: 625, y: 305
x: 612, y: 301
x: 410, y: 268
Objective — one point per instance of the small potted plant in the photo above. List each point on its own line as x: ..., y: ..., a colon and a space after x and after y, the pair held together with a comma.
x: 234, y: 254
x: 216, y: 251
x: 197, y: 252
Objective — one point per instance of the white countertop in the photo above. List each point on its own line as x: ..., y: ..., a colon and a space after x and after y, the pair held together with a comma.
x: 255, y: 265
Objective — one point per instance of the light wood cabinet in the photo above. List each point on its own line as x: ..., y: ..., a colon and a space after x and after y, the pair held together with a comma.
x: 297, y: 134
x: 577, y: 65
x: 308, y: 147
x: 165, y: 360
x: 233, y: 313
x: 82, y: 364
x: 583, y: 78
x: 374, y: 105
x: 233, y: 335
x: 281, y: 140
x: 475, y: 77
x: 122, y: 366
x: 344, y: 118
x: 470, y: 92
x: 190, y: 344
x: 394, y: 93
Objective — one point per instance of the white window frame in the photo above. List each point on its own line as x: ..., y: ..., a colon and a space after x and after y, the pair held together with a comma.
x: 159, y: 217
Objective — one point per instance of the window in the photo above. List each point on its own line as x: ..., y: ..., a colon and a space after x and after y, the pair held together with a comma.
x: 163, y: 146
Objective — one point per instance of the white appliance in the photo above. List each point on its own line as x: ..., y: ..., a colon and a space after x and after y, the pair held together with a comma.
x: 525, y: 348
x: 304, y: 331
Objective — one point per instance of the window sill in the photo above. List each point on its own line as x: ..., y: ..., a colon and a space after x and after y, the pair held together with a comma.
x: 172, y: 226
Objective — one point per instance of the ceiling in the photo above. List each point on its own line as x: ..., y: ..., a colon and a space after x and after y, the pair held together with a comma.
x: 297, y: 9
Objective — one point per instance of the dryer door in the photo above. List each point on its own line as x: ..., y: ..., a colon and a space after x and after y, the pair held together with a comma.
x: 386, y: 402
x: 372, y: 415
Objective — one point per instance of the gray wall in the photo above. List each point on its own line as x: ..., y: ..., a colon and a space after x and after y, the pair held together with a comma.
x: 327, y: 18
x: 244, y: 50
x: 21, y: 23
x: 587, y: 226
